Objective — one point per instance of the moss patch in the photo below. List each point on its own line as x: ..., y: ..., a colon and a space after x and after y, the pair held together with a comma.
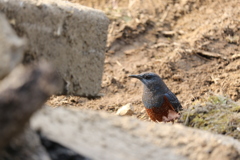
x: 217, y: 114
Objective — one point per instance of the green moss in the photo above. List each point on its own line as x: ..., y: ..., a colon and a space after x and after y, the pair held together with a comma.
x: 236, y: 109
x: 217, y: 114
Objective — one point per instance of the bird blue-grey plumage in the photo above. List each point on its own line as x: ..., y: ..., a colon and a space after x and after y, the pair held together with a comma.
x: 160, y: 103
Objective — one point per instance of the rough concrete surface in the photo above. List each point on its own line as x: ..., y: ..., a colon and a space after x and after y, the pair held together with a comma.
x: 70, y: 36
x: 100, y: 135
x: 57, y: 151
x: 11, y: 47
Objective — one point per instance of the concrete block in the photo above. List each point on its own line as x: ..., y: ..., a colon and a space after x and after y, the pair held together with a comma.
x: 70, y: 36
x: 11, y: 47
x: 100, y: 135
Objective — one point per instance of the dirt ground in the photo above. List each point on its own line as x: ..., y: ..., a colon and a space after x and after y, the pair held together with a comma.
x: 194, y: 45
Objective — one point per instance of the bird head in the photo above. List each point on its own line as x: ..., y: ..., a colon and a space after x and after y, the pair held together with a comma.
x: 151, y: 81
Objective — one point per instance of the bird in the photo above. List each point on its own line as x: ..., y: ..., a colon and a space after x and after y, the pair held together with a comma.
x: 160, y: 103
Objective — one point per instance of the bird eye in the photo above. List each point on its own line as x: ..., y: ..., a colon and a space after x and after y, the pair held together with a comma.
x: 147, y: 77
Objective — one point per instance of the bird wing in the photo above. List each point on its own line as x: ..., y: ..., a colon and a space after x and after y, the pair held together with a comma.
x: 174, y: 101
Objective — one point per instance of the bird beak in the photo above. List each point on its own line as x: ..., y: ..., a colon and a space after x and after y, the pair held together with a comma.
x: 136, y: 76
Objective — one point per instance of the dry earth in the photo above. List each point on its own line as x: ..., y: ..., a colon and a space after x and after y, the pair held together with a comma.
x: 193, y: 45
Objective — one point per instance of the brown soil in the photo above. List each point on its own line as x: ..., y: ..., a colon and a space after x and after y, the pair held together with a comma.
x: 193, y: 45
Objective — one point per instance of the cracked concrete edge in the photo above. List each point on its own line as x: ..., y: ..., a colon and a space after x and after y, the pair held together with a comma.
x: 100, y: 135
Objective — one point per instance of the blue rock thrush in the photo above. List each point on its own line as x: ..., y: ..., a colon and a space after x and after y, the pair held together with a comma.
x: 160, y: 103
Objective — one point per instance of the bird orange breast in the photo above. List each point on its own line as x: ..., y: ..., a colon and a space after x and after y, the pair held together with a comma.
x: 165, y: 112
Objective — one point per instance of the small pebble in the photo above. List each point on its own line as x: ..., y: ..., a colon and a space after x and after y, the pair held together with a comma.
x: 126, y: 110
